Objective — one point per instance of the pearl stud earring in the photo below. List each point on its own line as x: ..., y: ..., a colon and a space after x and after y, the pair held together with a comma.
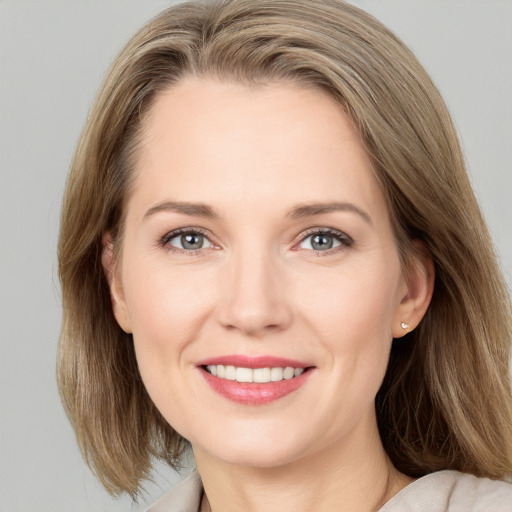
x: 404, y: 326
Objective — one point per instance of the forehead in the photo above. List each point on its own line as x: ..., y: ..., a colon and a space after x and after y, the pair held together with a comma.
x: 279, y: 143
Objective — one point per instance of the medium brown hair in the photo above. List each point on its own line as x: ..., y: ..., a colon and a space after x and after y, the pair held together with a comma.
x: 445, y: 401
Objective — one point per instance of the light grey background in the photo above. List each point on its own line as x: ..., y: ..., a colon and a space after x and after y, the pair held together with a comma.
x: 53, y: 55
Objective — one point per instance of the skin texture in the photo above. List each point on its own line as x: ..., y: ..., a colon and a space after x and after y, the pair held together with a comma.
x: 258, y: 287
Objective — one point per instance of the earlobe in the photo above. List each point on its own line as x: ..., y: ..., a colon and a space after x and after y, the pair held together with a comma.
x: 419, y: 287
x: 119, y: 307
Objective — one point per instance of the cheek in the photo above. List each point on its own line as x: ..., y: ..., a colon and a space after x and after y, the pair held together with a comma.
x: 167, y: 309
x: 162, y: 301
x: 352, y: 314
x: 357, y: 301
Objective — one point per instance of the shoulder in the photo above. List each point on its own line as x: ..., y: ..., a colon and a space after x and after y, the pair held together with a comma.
x: 184, y: 497
x: 452, y: 491
x: 444, y: 491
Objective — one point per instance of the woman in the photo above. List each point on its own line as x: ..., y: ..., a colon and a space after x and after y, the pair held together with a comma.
x: 270, y: 252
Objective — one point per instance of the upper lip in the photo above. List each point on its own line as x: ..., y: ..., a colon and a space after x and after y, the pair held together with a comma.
x: 243, y: 361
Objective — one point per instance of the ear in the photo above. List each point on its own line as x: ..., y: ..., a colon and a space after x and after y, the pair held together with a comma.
x: 113, y: 275
x: 417, y: 291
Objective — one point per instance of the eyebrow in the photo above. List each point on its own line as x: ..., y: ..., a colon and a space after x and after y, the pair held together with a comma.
x: 298, y: 212
x: 194, y: 209
x: 308, y: 210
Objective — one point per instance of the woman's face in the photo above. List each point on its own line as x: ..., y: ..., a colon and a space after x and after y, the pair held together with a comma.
x: 257, y: 239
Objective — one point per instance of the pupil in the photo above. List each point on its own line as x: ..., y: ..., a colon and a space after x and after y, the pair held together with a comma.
x: 322, y: 242
x: 192, y: 241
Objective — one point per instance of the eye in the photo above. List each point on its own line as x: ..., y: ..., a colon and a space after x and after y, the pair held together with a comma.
x: 186, y: 240
x: 325, y: 240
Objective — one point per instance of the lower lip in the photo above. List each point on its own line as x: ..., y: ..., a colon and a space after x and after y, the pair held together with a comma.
x: 253, y: 393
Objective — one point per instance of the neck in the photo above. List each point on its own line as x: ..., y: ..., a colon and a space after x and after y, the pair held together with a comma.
x: 354, y: 476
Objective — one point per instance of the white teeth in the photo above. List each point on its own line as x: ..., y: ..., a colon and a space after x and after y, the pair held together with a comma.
x: 243, y: 375
x: 276, y: 374
x: 260, y: 375
x: 230, y: 373
x: 288, y: 373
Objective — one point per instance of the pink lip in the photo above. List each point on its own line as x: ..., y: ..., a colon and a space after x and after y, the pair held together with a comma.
x: 253, y: 362
x: 253, y: 393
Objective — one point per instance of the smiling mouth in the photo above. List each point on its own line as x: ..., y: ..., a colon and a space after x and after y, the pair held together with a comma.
x: 253, y: 375
x: 254, y: 380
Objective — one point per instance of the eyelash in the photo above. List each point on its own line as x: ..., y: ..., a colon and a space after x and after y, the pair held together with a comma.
x: 166, y: 239
x: 345, y: 240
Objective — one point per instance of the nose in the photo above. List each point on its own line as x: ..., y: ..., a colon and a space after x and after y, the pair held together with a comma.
x: 254, y: 296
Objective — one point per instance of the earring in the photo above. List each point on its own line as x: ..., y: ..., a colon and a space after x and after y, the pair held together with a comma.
x: 404, y: 326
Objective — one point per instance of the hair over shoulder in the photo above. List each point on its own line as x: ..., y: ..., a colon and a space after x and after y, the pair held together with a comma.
x: 445, y: 402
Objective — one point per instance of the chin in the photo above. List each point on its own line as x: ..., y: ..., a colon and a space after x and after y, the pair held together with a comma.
x: 259, y: 450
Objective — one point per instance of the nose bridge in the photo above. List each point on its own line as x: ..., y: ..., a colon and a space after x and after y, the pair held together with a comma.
x: 254, y: 296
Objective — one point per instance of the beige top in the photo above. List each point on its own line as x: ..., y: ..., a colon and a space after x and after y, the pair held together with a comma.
x: 444, y: 491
